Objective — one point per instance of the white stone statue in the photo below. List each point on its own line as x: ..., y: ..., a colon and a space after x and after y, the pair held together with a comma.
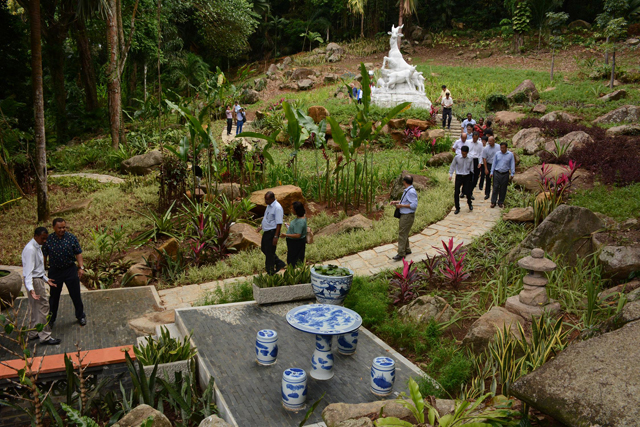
x: 399, y: 82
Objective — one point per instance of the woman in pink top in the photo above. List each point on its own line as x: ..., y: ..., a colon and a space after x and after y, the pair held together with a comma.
x: 229, y: 119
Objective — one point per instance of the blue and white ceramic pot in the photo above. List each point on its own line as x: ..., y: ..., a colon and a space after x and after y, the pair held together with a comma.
x: 322, y: 358
x: 330, y: 289
x: 383, y: 374
x: 294, y: 389
x: 347, y: 343
x: 266, y: 347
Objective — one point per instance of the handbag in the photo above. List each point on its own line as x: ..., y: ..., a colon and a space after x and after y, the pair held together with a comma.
x: 396, y: 213
x: 309, y: 235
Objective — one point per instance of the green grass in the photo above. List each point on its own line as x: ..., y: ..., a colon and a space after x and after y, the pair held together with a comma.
x: 236, y: 292
x: 618, y: 203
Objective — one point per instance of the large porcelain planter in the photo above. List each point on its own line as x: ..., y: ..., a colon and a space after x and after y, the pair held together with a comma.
x: 330, y: 289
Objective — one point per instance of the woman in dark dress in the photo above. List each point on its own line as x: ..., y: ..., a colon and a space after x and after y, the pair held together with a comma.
x: 296, y: 236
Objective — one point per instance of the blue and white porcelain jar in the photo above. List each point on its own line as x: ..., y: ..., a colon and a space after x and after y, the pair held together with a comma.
x: 383, y: 375
x: 266, y: 347
x: 294, y: 389
x: 330, y: 289
x: 322, y: 358
x: 347, y: 343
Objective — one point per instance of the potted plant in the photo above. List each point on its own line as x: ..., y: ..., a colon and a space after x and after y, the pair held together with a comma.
x: 171, y: 354
x: 293, y: 285
x: 331, y: 283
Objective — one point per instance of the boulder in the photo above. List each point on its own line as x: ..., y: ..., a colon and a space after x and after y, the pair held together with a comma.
x: 73, y: 207
x: 555, y: 116
x: 301, y: 74
x: 286, y: 62
x: 539, y: 109
x: 244, y: 236
x: 626, y: 113
x: 593, y: 382
x: 214, y: 421
x: 425, y: 308
x: 530, y: 179
x: 435, y: 133
x: 519, y: 215
x: 230, y: 190
x: 483, y: 330
x: 139, y: 255
x: 273, y: 69
x: 139, y: 275
x: 620, y: 261
x: 572, y: 140
x: 629, y: 130
x: 397, y: 135
x: 417, y: 34
x: 249, y: 96
x: 10, y: 287
x: 359, y: 422
x: 356, y: 222
x: 506, y: 117
x: 397, y: 124
x: 566, y: 231
x: 318, y: 113
x: 285, y: 195
x: 420, y: 183
x: 420, y: 124
x: 259, y: 84
x: 142, y: 164
x: 579, y: 23
x: 139, y: 416
x: 530, y: 140
x: 336, y: 413
x: 619, y: 289
x: 441, y: 159
x: 331, y: 78
x: 526, y: 91
x: 335, y: 52
x: 614, y: 96
x: 171, y: 247
x: 288, y: 86
x: 305, y: 84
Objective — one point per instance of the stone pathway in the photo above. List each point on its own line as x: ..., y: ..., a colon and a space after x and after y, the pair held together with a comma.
x: 463, y: 228
x: 98, y: 177
x: 227, y: 139
x: 454, y: 133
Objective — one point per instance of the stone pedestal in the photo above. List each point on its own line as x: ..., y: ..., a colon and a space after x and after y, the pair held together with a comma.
x: 386, y: 99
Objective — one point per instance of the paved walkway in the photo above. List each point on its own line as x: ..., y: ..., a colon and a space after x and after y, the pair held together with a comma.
x: 98, y: 177
x: 454, y: 132
x: 464, y: 228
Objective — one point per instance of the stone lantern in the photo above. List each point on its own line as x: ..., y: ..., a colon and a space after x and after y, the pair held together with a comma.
x: 533, y: 299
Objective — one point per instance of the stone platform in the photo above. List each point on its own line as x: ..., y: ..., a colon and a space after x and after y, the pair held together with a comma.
x: 248, y: 394
x: 385, y: 99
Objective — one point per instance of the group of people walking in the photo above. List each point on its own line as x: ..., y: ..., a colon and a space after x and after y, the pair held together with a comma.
x: 238, y: 114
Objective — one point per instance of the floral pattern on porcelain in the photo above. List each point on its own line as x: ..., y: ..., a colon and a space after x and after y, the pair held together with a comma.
x: 330, y: 289
x: 324, y: 319
x: 266, y: 347
x: 383, y: 375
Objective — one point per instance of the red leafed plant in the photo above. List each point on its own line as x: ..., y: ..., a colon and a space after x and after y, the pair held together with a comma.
x: 411, y: 134
x: 406, y: 283
x: 553, y: 190
x: 453, y: 268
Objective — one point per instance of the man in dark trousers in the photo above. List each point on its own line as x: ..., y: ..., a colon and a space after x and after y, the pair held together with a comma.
x: 271, y: 225
x: 462, y: 165
x: 488, y: 153
x: 63, y: 251
x: 502, y: 170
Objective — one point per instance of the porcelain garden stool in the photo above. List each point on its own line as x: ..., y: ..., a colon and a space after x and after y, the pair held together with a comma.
x: 266, y: 347
x: 294, y: 389
x: 383, y: 375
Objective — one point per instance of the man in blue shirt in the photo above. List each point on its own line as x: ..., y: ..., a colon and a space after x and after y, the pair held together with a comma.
x: 502, y: 171
x: 63, y: 251
x: 270, y: 227
x: 407, y: 205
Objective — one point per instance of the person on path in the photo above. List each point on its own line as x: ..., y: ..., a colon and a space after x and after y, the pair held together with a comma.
x: 241, y: 118
x: 459, y: 144
x: 488, y: 128
x: 462, y: 165
x: 236, y: 108
x: 296, y: 236
x: 359, y: 96
x: 271, y: 226
x: 447, y: 108
x: 504, y: 168
x: 229, y: 114
x: 63, y: 251
x: 475, y: 152
x: 484, y: 140
x: 444, y: 93
x: 469, y: 132
x: 479, y: 127
x: 35, y: 280
x: 488, y: 154
x: 407, y: 204
x: 468, y: 121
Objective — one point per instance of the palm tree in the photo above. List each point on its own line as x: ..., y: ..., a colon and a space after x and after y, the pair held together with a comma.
x: 407, y: 7
x: 190, y: 70
x: 276, y: 23
x: 357, y: 6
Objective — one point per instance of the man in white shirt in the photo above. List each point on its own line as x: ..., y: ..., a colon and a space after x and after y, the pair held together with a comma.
x: 488, y: 153
x: 271, y: 225
x: 447, y: 104
x: 468, y: 121
x: 35, y: 280
x: 462, y: 165
x: 475, y: 152
x: 459, y: 144
x: 444, y: 93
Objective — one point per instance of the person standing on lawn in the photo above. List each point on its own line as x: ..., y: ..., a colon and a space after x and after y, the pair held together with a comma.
x: 503, y: 167
x: 407, y: 204
x: 475, y: 152
x: 462, y: 165
x: 296, y: 236
x: 63, y: 251
x: 447, y: 108
x: 271, y: 226
x: 488, y: 154
x: 36, y: 282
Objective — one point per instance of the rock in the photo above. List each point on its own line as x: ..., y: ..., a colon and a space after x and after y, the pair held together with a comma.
x: 417, y: 34
x: 318, y: 113
x: 559, y: 116
x: 620, y: 289
x: 244, y: 236
x: 435, y: 133
x: 286, y: 62
x: 526, y: 91
x: 305, y: 84
x: 273, y: 69
x: 146, y: 325
x: 420, y: 183
x: 572, y: 140
x: 445, y: 406
x: 397, y: 136
x: 566, y: 231
x: 425, y: 308
x: 632, y: 41
x: 138, y: 255
x: 285, y: 195
x: 139, y: 416
x: 77, y: 206
x: 530, y: 179
x: 626, y: 113
x: 420, y: 124
x: 10, y: 287
x: 397, y: 124
x: 620, y: 261
x: 530, y: 140
x: 614, y: 96
x: 506, y: 117
x: 336, y: 413
x: 539, y: 108
x: 330, y: 78
x: 288, y: 86
x: 171, y: 247
x: 140, y: 275
x: 334, y: 53
x: 634, y: 295
x: 483, y: 330
x: 142, y: 164
x: 441, y: 159
x: 483, y: 54
x: 406, y: 47
x: 301, y: 74
x: 629, y: 130
x: 259, y: 84
x: 356, y: 222
x: 519, y: 215
x: 214, y: 421
x: 579, y: 23
x: 360, y: 422
x: 249, y: 96
x: 230, y: 190
x: 561, y: 389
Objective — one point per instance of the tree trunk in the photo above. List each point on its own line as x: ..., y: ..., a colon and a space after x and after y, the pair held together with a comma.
x: 113, y: 78
x: 144, y: 78
x: 55, y: 57
x: 38, y: 110
x: 362, y: 25
x: 553, y: 55
x: 613, y: 68
x: 133, y: 83
x: 87, y: 74
x: 606, y: 53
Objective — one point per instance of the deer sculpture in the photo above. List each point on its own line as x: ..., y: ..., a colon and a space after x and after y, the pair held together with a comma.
x: 394, y: 67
